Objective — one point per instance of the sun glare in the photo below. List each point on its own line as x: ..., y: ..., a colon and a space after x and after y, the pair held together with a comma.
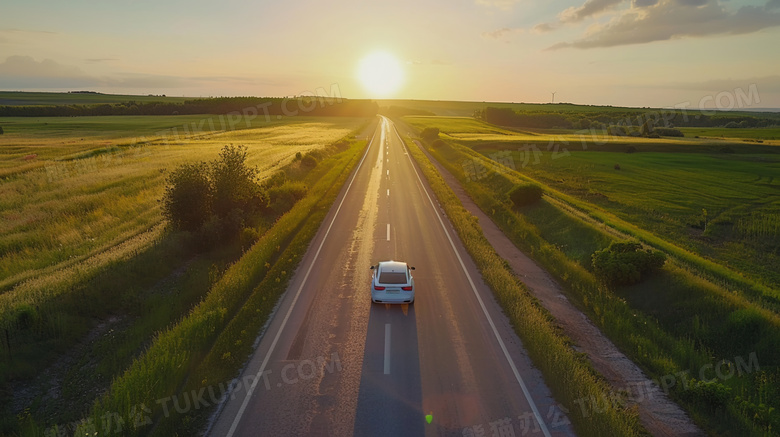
x: 381, y: 74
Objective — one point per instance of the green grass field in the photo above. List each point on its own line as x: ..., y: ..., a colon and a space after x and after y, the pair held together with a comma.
x: 725, y: 133
x: 695, y: 311
x: 669, y: 194
x: 14, y: 98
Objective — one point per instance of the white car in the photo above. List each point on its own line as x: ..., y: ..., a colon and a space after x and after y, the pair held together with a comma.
x: 392, y: 282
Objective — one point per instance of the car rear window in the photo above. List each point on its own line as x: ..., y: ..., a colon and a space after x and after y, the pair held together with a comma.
x: 392, y: 278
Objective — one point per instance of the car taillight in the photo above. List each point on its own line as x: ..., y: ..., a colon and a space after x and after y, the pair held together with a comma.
x: 406, y: 288
x: 378, y: 288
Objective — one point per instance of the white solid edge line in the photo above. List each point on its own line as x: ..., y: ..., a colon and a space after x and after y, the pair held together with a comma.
x: 388, y: 232
x: 295, y: 299
x: 387, y: 348
x: 481, y: 303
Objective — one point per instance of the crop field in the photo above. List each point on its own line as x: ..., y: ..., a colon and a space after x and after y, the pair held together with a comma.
x: 715, y: 213
x: 74, y: 188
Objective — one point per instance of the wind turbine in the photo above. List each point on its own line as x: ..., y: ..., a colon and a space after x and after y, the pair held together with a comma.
x: 553, y: 96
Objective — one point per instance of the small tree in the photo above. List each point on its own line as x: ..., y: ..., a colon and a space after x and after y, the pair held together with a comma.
x: 624, y: 263
x: 187, y: 199
x: 1, y: 130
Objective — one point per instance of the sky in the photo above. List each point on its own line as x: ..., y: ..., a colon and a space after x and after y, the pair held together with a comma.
x: 654, y: 53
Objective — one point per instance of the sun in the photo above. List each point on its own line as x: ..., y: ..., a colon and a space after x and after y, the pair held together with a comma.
x: 381, y: 74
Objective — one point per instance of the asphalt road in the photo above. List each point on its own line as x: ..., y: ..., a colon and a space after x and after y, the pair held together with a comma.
x: 333, y: 363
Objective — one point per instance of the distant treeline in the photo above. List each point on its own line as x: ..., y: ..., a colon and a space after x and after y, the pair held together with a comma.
x: 659, y: 118
x: 319, y: 106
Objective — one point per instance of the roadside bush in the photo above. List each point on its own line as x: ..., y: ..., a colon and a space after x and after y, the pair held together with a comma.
x: 669, y: 132
x: 276, y: 180
x: 710, y: 393
x: 215, y: 200
x: 234, y: 183
x: 430, y: 133
x: 210, y: 234
x: 284, y: 197
x: 624, y: 263
x: 249, y: 236
x: 525, y: 194
x: 188, y: 198
x: 437, y: 143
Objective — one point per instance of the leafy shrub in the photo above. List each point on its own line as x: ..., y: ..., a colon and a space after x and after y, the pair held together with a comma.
x: 710, y: 393
x: 624, y: 263
x: 298, y: 156
x: 1, y: 130
x: 210, y: 234
x: 284, y: 197
x: 669, y: 132
x: 430, y: 133
x: 249, y: 237
x: 234, y: 183
x: 276, y: 180
x: 188, y: 197
x: 525, y: 194
x: 214, y: 199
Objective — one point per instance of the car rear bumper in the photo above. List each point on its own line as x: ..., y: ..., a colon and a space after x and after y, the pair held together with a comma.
x: 394, y: 298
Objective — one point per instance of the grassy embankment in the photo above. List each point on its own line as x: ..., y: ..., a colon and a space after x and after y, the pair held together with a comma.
x: 676, y: 321
x: 569, y: 376
x: 113, y: 275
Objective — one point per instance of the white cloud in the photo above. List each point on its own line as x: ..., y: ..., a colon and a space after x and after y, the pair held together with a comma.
x: 672, y: 19
x: 589, y: 9
x: 544, y: 27
x: 24, y: 72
